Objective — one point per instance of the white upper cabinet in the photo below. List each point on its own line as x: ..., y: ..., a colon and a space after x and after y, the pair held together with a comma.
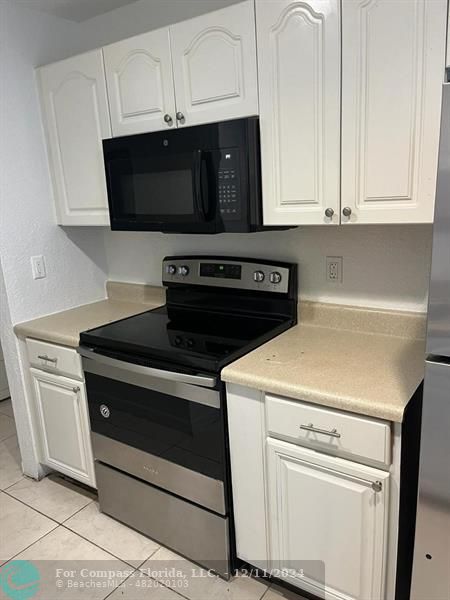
x: 299, y: 97
x: 327, y: 516
x: 140, y: 84
x: 214, y: 65
x: 392, y: 73
x: 76, y: 118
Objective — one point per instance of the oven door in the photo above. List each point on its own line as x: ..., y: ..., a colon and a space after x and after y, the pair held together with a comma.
x: 169, y: 191
x: 164, y: 427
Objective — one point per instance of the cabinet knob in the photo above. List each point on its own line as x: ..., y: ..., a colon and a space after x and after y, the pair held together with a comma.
x: 329, y: 212
x: 180, y: 116
x: 75, y: 389
x: 346, y: 211
x: 168, y: 119
x: 377, y: 486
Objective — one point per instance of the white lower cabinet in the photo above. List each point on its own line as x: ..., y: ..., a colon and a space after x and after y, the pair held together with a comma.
x: 64, y: 425
x: 322, y: 499
x: 327, y: 517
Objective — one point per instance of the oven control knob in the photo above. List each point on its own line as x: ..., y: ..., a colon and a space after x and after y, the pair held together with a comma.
x: 183, y: 271
x: 190, y: 343
x: 171, y: 269
x: 275, y: 277
x: 178, y: 340
x: 258, y: 276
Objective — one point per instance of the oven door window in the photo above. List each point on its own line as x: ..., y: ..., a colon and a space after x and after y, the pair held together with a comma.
x: 182, y: 431
x: 155, y: 189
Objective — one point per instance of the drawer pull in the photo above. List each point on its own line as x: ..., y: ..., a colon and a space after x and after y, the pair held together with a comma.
x: 310, y: 427
x: 377, y: 486
x: 47, y: 358
x: 76, y: 389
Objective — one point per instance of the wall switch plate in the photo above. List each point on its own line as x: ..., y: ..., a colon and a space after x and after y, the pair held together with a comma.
x: 38, y: 267
x: 334, y: 269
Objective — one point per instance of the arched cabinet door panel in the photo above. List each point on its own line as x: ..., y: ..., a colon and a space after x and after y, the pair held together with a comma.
x: 393, y: 59
x: 299, y: 98
x: 140, y: 86
x: 214, y: 66
x: 327, y: 516
x: 76, y: 119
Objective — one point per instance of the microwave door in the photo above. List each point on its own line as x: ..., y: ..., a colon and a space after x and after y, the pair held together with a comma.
x: 160, y: 193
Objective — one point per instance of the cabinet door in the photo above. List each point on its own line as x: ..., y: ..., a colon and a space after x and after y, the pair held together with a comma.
x: 324, y: 508
x: 392, y: 74
x: 214, y: 65
x: 65, y: 432
x: 140, y: 84
x: 299, y: 97
x: 76, y: 118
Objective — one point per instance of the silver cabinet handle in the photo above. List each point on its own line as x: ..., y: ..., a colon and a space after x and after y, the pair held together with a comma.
x: 377, y: 486
x: 168, y: 119
x: 310, y: 427
x: 76, y: 389
x: 179, y: 116
x: 47, y: 358
x: 346, y: 211
x: 329, y: 212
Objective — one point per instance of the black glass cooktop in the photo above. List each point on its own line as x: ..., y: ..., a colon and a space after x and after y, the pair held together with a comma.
x: 197, y: 339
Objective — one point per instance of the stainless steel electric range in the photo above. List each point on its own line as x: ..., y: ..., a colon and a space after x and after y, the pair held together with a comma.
x: 157, y: 404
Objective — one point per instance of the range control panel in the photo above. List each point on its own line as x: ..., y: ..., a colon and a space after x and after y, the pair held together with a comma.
x: 246, y: 275
x: 229, y: 184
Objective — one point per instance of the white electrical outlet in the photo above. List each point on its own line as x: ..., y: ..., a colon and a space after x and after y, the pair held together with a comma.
x: 334, y: 269
x: 38, y: 267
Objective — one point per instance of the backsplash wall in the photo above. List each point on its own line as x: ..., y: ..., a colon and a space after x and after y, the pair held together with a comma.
x: 384, y: 266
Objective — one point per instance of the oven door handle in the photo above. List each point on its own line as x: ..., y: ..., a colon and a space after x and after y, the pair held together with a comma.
x: 202, y: 380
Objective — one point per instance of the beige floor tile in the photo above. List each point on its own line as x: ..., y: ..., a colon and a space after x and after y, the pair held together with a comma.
x: 53, y: 496
x: 139, y: 586
x: 10, y: 462
x: 87, y: 572
x: 20, y: 526
x: 112, y: 536
x: 7, y: 427
x: 200, y: 587
x: 6, y: 408
x: 276, y: 592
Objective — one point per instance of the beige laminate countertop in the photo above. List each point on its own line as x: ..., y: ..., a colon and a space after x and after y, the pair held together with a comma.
x: 124, y: 300
x: 359, y: 360
x: 363, y: 361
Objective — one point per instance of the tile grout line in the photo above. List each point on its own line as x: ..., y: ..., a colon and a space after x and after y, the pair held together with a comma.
x: 28, y: 506
x: 78, y: 511
x: 32, y: 544
x: 104, y: 549
x: 8, y: 437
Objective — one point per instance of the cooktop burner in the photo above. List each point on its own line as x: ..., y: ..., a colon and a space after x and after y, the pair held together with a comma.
x: 216, y: 311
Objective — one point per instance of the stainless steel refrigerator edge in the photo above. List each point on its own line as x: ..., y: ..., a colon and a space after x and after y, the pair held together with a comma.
x: 431, y: 567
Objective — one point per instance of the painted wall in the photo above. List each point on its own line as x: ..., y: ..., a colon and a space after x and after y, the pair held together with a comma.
x: 384, y: 266
x: 75, y: 259
x: 140, y: 17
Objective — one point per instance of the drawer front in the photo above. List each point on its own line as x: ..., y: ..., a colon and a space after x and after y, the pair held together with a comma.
x: 54, y: 358
x: 329, y: 430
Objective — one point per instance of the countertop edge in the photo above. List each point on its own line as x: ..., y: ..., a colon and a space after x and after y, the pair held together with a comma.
x: 352, y: 405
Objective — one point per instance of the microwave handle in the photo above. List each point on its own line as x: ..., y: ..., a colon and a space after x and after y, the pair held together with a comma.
x: 198, y: 187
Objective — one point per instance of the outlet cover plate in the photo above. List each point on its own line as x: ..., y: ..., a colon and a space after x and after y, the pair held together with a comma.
x: 334, y: 272
x: 38, y: 267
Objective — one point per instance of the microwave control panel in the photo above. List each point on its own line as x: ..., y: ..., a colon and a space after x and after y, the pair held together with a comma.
x: 229, y: 184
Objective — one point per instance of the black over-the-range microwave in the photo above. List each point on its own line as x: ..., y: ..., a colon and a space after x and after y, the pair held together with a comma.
x: 201, y: 179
